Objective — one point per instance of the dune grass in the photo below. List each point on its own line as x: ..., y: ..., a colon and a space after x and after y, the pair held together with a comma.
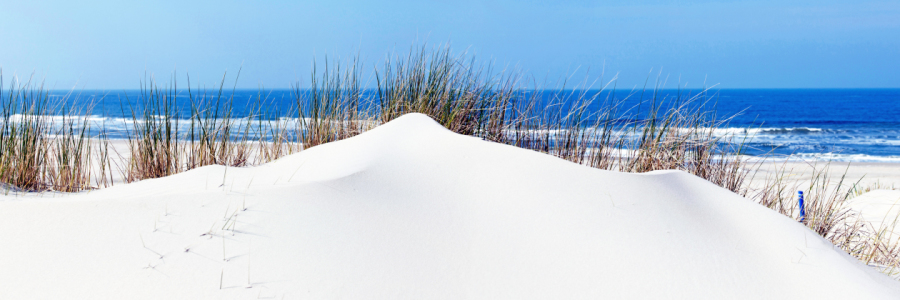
x: 162, y: 142
x: 275, y: 136
x: 152, y: 144
x: 460, y: 93
x: 44, y: 144
x: 467, y: 97
x: 215, y: 138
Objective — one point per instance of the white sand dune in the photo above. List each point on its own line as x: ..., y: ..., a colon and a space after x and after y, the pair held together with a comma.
x: 410, y: 210
x: 879, y: 208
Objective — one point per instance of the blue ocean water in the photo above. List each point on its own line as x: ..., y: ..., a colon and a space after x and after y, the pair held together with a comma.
x: 836, y: 124
x: 842, y: 124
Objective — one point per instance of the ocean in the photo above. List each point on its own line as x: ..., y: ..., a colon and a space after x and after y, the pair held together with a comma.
x: 860, y: 125
x: 835, y: 124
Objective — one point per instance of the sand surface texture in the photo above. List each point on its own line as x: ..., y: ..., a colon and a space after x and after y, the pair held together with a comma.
x: 410, y: 210
x: 881, y: 208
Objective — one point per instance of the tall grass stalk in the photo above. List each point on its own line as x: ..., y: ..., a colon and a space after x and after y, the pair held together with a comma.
x: 44, y: 143
x: 214, y: 135
x: 153, y: 146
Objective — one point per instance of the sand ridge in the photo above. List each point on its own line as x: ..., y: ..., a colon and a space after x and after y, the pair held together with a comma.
x: 411, y: 210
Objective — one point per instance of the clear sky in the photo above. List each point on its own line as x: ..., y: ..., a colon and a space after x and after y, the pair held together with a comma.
x: 736, y: 44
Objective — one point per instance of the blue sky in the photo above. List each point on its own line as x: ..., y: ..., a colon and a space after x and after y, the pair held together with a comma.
x: 736, y: 44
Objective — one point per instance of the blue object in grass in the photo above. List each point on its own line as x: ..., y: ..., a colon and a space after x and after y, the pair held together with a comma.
x: 802, y: 208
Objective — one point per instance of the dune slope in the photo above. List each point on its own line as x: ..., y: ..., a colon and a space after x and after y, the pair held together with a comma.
x: 410, y: 210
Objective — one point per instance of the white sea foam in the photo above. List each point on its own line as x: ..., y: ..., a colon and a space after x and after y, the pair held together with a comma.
x: 836, y: 157
x: 753, y: 131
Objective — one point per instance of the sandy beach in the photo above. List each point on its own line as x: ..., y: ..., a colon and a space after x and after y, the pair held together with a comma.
x: 867, y: 175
